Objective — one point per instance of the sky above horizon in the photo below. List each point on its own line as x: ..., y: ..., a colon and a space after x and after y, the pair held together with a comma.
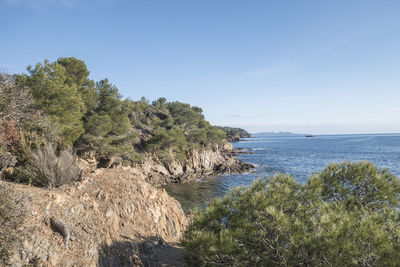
x: 320, y: 67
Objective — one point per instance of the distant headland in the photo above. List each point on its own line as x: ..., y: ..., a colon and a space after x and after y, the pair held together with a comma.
x: 278, y: 134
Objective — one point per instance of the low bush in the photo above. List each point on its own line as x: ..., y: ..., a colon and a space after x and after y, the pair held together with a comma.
x: 42, y: 164
x: 348, y: 215
x: 55, y: 168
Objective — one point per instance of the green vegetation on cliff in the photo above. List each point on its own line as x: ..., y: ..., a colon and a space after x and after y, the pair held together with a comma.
x: 234, y: 134
x: 347, y: 215
x: 57, y: 109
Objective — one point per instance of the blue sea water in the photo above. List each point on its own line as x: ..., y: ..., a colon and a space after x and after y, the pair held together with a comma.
x: 295, y: 155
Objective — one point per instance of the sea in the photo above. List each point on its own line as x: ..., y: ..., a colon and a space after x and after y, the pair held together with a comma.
x: 296, y: 155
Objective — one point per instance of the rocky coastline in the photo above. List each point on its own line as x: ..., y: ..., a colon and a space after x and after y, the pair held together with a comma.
x: 114, y: 217
x: 67, y: 197
x: 219, y: 159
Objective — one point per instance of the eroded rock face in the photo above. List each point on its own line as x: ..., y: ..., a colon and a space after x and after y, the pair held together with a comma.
x: 218, y: 160
x: 109, y: 215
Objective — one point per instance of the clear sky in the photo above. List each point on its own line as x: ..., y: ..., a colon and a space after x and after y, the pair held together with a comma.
x: 301, y: 66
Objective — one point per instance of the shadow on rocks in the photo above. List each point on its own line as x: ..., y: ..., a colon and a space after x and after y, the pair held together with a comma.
x: 155, y: 252
x: 151, y: 252
x: 123, y: 253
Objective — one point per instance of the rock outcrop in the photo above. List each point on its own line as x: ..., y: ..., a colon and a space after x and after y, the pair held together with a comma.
x: 216, y: 160
x: 234, y: 138
x: 111, y: 216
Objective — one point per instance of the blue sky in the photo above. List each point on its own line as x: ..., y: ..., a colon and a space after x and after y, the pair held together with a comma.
x: 303, y: 66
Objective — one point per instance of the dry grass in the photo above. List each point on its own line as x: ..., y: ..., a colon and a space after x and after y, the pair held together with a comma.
x: 55, y: 168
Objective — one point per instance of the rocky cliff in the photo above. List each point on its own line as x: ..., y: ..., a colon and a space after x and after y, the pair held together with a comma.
x: 216, y: 160
x: 113, y: 219
x: 112, y: 216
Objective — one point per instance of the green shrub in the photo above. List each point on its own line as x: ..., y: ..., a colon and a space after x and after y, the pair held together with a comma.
x: 198, y: 136
x: 164, y: 139
x: 348, y: 215
x: 215, y: 135
x: 98, y: 125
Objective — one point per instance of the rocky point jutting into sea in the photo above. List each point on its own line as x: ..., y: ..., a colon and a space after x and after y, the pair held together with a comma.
x: 219, y: 159
x: 111, y: 217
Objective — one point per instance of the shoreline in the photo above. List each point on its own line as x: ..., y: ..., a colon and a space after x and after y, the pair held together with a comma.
x: 112, y: 211
x: 217, y: 160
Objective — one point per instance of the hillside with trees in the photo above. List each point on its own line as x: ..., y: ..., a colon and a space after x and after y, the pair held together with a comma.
x: 61, y: 137
x: 234, y: 134
x: 55, y: 119
x: 56, y: 111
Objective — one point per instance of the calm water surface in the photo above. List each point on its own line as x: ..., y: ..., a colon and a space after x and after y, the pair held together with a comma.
x: 296, y: 155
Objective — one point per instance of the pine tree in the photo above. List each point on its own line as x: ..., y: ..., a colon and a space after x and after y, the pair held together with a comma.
x: 348, y: 215
x: 57, y: 97
x: 78, y: 74
x: 110, y: 104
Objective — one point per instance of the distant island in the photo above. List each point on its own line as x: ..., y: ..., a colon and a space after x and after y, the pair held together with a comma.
x: 280, y: 134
